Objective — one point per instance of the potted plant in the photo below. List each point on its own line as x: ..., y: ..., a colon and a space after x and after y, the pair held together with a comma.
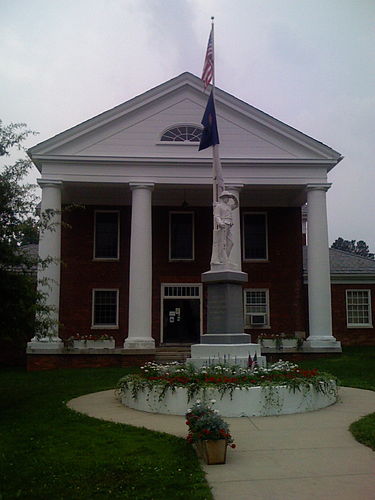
x: 289, y: 341
x: 273, y: 340
x: 92, y: 341
x: 279, y: 341
x: 208, y: 432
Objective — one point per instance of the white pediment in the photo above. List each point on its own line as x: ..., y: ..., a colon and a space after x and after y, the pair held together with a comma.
x: 133, y: 130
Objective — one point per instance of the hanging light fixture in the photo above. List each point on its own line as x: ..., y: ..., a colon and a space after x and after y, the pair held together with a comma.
x: 184, y: 204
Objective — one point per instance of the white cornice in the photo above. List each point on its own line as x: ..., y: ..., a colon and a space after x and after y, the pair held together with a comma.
x: 41, y: 158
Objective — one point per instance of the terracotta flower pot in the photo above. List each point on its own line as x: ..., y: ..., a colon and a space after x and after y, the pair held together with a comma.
x: 212, y: 452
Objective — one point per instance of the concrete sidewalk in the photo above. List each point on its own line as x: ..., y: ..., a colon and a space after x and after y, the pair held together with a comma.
x: 289, y: 457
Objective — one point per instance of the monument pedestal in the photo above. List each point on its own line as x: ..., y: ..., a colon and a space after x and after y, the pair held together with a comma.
x: 225, y: 340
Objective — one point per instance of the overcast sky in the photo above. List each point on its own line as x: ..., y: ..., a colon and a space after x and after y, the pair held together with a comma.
x: 308, y: 63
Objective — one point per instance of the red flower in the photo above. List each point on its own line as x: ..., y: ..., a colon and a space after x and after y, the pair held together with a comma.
x: 232, y: 445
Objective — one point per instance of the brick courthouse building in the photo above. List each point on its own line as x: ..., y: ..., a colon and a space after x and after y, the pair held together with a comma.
x: 132, y: 255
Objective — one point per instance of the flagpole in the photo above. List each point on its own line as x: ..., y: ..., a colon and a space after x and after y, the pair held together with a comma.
x: 213, y: 55
x: 214, y: 150
x: 210, y: 135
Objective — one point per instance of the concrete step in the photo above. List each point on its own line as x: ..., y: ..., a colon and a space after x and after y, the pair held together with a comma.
x: 167, y: 354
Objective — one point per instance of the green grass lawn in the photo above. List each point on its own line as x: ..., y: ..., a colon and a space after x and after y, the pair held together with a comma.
x: 355, y: 368
x: 50, y: 452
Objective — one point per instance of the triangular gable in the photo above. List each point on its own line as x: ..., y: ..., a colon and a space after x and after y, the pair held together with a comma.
x: 133, y: 129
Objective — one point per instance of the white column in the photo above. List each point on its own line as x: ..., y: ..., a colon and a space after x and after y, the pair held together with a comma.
x: 140, y: 275
x: 236, y: 254
x: 319, y: 282
x: 49, y: 276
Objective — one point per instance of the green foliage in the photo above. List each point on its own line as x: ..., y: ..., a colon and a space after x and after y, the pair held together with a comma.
x: 49, y: 451
x: 18, y: 297
x: 24, y: 309
x: 205, y: 423
x: 12, y: 135
x: 359, y: 248
x: 364, y: 430
x: 224, y: 378
x: 18, y: 226
x: 354, y: 368
x: 18, y: 221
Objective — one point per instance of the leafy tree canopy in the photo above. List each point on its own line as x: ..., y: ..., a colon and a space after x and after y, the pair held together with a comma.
x: 18, y: 226
x: 18, y: 221
x: 357, y: 247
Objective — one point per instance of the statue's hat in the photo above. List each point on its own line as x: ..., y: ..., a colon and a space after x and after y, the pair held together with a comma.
x: 227, y: 193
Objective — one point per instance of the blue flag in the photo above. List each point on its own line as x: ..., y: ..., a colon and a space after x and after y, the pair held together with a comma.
x: 210, y: 134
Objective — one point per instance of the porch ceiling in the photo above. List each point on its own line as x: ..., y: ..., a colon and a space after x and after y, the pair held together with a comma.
x: 176, y: 195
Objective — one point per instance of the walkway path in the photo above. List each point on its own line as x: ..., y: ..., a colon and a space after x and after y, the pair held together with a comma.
x: 308, y: 456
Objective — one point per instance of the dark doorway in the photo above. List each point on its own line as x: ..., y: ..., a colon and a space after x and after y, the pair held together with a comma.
x: 181, y: 321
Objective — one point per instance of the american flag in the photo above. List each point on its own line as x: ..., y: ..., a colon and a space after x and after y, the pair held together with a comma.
x: 249, y: 362
x: 208, y: 67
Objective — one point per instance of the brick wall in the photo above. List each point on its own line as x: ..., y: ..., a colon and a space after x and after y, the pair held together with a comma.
x: 281, y: 274
x: 39, y: 362
x: 80, y: 273
x: 177, y: 272
x: 350, y: 336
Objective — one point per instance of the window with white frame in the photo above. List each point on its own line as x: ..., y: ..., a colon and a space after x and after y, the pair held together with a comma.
x: 181, y: 236
x: 255, y: 236
x: 105, y: 308
x: 182, y: 133
x: 358, y: 308
x: 106, y: 240
x: 256, y: 302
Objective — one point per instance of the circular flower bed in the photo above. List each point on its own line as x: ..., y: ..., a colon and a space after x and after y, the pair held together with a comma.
x: 281, y: 388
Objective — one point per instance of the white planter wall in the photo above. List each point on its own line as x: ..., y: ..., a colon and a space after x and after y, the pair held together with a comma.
x: 285, y: 343
x: 252, y: 402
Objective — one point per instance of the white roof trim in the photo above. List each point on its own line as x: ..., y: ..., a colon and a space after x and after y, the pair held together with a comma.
x: 185, y: 79
x: 41, y: 158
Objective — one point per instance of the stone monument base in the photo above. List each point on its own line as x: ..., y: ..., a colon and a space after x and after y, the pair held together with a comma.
x: 225, y: 342
x: 225, y: 338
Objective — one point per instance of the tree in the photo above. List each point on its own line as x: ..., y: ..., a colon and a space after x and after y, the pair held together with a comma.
x: 18, y: 225
x: 357, y: 247
x: 18, y: 219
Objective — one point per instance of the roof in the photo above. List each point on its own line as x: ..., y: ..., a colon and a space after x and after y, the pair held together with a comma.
x: 346, y: 266
x: 184, y: 80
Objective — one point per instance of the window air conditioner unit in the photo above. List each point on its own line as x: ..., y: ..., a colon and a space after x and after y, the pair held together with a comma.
x: 258, y: 319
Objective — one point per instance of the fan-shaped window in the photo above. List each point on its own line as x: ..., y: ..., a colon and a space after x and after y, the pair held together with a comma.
x: 183, y: 133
